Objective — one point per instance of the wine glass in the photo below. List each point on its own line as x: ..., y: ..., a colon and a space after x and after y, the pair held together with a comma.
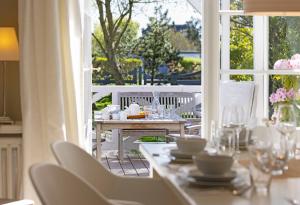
x: 286, y: 125
x: 234, y: 117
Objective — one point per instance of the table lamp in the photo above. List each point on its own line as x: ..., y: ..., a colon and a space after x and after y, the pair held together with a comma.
x: 9, y: 51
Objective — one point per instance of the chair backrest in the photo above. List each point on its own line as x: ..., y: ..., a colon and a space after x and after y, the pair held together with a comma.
x: 79, y: 162
x: 184, y: 102
x: 57, y: 186
x: 238, y: 93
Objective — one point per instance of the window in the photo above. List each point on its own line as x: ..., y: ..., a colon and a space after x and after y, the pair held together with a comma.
x: 250, y: 46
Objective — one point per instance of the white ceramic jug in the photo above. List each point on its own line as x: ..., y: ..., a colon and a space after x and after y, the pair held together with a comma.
x: 134, y: 109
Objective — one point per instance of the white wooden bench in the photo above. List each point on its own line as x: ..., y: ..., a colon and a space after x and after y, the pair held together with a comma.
x: 184, y: 102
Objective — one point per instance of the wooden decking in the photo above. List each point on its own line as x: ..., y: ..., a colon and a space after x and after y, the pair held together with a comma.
x: 133, y: 165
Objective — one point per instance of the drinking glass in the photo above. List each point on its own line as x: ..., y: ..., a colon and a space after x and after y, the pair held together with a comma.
x: 261, y: 166
x: 286, y: 125
x: 280, y: 156
x: 161, y: 111
x: 148, y: 111
x: 225, y: 141
x: 171, y: 112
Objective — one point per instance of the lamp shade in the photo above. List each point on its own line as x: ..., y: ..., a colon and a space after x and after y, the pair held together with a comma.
x: 272, y: 7
x: 9, y: 49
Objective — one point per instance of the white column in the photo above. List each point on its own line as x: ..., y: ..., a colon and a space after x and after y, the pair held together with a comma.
x: 225, y: 39
x: 210, y: 63
x: 260, y: 41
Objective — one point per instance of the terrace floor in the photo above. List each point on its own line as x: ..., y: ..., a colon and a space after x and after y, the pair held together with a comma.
x: 132, y: 165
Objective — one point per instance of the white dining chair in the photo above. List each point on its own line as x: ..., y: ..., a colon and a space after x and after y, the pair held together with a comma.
x: 147, y: 191
x: 14, y: 202
x: 57, y: 186
x: 238, y: 93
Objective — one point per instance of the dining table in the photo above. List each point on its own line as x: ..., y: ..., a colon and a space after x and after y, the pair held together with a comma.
x: 174, y: 125
x: 284, y: 189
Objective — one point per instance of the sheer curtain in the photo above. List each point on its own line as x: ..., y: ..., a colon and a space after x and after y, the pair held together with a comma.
x: 51, y: 78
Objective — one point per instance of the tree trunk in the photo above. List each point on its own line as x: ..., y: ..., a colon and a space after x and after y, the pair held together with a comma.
x: 113, y: 66
x: 152, y: 75
x: 114, y: 70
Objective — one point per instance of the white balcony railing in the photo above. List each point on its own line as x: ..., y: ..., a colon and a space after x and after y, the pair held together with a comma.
x: 101, y: 91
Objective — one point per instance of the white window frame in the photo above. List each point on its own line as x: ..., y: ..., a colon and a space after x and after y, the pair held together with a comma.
x: 260, y: 69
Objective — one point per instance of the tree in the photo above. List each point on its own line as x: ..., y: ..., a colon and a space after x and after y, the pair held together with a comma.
x: 114, y: 17
x: 241, y: 42
x: 155, y: 46
x: 180, y: 42
x: 127, y: 42
x: 194, y: 32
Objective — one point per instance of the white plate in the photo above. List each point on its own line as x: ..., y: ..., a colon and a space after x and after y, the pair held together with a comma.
x: 180, y: 155
x: 194, y: 182
x: 199, y: 176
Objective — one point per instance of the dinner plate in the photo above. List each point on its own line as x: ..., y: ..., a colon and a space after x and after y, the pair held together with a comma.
x: 194, y: 182
x: 199, y: 176
x: 180, y: 155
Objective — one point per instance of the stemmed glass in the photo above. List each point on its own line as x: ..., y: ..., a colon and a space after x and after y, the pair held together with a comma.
x: 286, y: 125
x: 234, y: 117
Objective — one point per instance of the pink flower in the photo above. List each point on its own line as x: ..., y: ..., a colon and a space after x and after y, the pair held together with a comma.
x: 282, y: 64
x: 295, y: 64
x: 290, y: 94
x: 296, y: 56
x: 282, y: 95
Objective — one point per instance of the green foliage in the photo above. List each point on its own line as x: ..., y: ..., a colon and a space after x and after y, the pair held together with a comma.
x: 241, y: 42
x: 180, y: 42
x: 152, y: 139
x: 127, y: 43
x: 242, y: 77
x: 155, y: 46
x: 185, y: 65
x: 103, y: 103
x: 191, y: 64
x: 127, y: 65
x: 194, y: 33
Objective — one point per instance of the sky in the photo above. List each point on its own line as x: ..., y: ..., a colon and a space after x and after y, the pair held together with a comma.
x: 180, y: 11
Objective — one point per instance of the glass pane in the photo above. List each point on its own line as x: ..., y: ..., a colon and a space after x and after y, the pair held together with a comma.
x: 231, y: 4
x: 241, y: 42
x: 242, y: 77
x: 284, y: 88
x: 236, y: 5
x: 284, y: 41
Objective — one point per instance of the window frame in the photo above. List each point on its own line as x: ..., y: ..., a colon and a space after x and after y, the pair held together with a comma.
x: 260, y: 71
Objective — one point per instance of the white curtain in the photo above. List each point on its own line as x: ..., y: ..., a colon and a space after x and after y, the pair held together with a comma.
x: 51, y: 78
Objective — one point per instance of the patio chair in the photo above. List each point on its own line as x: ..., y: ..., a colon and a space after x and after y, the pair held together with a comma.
x: 57, y: 186
x: 144, y: 190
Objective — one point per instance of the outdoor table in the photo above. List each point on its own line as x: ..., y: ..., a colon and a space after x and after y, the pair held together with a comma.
x: 282, y: 187
x: 137, y: 124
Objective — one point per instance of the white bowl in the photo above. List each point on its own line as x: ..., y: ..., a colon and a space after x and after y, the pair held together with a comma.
x: 190, y: 145
x: 213, y: 164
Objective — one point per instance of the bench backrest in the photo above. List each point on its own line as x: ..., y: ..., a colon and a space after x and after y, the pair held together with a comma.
x: 184, y: 102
